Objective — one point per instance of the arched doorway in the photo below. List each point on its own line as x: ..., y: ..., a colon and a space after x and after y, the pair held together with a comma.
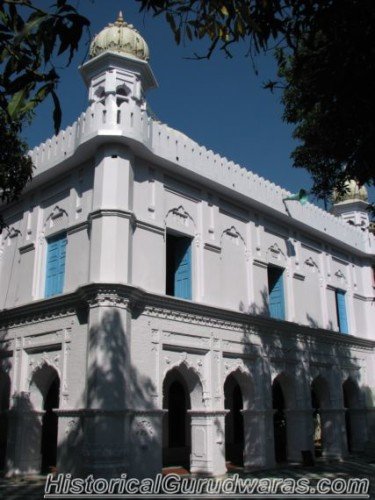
x: 351, y: 399
x: 45, y: 396
x: 279, y: 422
x: 49, y: 426
x: 234, y: 424
x: 319, y: 401
x: 176, y: 425
x: 4, y: 407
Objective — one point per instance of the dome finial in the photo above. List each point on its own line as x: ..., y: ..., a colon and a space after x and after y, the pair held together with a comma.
x: 353, y: 190
x: 120, y: 37
x: 120, y: 19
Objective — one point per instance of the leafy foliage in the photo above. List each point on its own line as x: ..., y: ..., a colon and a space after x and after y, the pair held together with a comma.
x: 15, y: 166
x: 329, y: 95
x: 30, y: 38
x: 326, y: 56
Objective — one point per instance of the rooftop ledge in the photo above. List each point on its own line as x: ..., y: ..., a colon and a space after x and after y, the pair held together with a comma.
x: 175, y: 151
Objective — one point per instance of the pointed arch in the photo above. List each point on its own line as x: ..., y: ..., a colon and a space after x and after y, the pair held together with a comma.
x: 352, y: 396
x: 40, y: 382
x: 182, y: 216
x: 234, y: 420
x: 192, y: 380
x: 288, y: 387
x: 45, y: 397
x: 233, y: 233
x: 182, y: 391
x: 246, y: 384
x: 321, y: 391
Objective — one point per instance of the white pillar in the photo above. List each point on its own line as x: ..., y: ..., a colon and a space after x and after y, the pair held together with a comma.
x: 24, y: 438
x: 207, y: 442
x: 258, y: 452
x: 145, y: 450
x: 333, y: 432
x: 358, y: 428
x: 300, y: 433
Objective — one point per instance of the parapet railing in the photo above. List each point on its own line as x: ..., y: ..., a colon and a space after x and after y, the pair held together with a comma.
x: 131, y: 121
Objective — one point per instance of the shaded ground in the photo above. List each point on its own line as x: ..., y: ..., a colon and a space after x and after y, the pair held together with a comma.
x: 33, y: 488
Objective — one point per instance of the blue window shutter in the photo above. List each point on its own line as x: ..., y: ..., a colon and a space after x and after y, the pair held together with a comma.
x: 341, y: 311
x: 55, y: 272
x: 276, y: 294
x: 182, y: 277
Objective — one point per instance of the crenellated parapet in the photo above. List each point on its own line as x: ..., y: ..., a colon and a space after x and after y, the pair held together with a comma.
x: 130, y: 124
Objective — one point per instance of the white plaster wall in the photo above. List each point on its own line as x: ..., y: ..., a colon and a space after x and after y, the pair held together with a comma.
x: 224, y: 270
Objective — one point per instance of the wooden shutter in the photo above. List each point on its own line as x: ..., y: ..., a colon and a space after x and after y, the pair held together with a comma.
x: 276, y: 293
x: 55, y: 273
x: 182, y: 277
x: 341, y: 311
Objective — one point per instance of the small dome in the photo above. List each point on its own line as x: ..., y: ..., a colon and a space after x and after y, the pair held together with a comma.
x: 353, y: 192
x: 120, y: 37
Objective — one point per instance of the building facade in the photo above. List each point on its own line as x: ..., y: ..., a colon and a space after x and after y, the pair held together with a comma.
x: 160, y: 305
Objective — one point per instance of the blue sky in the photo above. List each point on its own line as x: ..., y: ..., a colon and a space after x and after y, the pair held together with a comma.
x: 219, y: 103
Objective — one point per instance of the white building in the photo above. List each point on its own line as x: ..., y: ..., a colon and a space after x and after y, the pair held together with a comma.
x: 160, y: 305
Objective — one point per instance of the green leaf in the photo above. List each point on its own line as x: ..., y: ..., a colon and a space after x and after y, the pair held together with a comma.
x: 34, y: 22
x: 16, y: 103
x: 224, y: 11
x: 56, y: 112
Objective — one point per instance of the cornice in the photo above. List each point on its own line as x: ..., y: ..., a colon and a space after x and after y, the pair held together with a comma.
x: 41, y: 310
x: 149, y: 226
x: 139, y: 302
x: 364, y: 298
x: 110, y: 212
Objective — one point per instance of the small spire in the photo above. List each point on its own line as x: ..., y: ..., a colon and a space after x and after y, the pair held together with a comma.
x: 120, y: 18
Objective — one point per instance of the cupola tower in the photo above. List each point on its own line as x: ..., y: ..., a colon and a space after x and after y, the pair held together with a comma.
x: 352, y: 205
x: 118, y: 70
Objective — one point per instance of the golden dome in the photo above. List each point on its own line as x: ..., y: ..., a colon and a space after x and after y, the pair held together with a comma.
x: 120, y: 37
x: 353, y: 192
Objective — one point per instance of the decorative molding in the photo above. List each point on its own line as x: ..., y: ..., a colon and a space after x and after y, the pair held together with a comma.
x: 57, y: 212
x: 339, y: 274
x: 52, y: 360
x: 363, y: 297
x: 13, y: 233
x: 171, y: 308
x: 149, y: 226
x: 180, y: 211
x: 26, y: 248
x: 181, y: 215
x: 111, y: 212
x: 212, y: 247
x: 275, y: 248
x: 260, y: 263
x: 75, y: 228
x: 234, y: 234
x: 143, y: 430
x: 310, y: 262
x: 299, y: 276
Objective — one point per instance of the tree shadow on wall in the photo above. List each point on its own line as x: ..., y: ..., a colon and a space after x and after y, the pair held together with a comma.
x: 108, y: 438
x: 5, y: 387
x: 285, y: 348
x: 255, y: 309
